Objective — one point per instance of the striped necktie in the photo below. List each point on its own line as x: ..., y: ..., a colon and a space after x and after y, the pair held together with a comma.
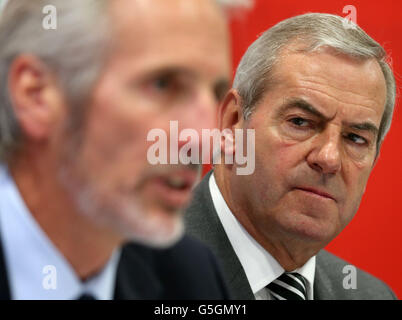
x: 289, y: 286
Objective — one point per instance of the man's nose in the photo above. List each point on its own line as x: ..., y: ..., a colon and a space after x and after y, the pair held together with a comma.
x: 325, y: 156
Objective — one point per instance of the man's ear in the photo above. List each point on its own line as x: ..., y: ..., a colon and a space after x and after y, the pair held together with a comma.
x: 35, y: 97
x: 230, y: 114
x: 230, y: 117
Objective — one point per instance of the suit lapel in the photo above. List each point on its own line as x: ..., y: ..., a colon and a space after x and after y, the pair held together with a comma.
x: 205, y: 225
x: 323, y: 288
x: 135, y: 277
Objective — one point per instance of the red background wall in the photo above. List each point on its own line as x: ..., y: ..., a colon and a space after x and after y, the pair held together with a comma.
x: 372, y: 241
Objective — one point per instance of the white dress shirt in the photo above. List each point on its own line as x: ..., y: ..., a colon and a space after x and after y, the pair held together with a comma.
x: 35, y: 268
x: 260, y: 267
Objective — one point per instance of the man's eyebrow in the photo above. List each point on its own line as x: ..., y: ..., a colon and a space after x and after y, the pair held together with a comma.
x: 364, y: 126
x: 308, y: 107
x: 222, y: 82
x: 300, y: 104
x: 170, y: 71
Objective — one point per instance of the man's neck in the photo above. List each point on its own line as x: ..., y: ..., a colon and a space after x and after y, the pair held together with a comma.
x: 85, y: 245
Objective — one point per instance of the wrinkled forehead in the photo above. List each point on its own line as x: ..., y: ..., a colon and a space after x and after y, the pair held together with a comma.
x: 347, y: 78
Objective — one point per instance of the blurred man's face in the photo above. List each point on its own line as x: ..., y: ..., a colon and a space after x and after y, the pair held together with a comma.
x: 315, y: 146
x: 170, y: 62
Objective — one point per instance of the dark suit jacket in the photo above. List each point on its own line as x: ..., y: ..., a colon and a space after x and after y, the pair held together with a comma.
x: 187, y: 270
x: 202, y: 221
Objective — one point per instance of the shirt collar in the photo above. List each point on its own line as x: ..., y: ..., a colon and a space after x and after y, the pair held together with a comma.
x: 36, y: 269
x: 258, y: 264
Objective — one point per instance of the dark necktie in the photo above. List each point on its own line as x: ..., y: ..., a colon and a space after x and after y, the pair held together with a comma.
x: 289, y: 286
x: 86, y: 296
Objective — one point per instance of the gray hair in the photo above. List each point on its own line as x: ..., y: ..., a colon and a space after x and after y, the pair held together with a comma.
x: 73, y: 52
x: 317, y: 30
x: 76, y: 52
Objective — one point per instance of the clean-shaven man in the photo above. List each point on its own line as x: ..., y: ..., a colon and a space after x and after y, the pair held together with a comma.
x: 320, y: 99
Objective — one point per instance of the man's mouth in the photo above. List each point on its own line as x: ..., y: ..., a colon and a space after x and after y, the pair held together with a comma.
x: 317, y: 192
x: 177, y: 182
x: 174, y: 189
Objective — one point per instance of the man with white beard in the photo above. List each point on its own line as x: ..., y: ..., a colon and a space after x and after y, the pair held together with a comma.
x: 77, y: 103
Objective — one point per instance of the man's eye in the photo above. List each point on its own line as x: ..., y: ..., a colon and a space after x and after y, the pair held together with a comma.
x: 162, y: 83
x: 300, y: 122
x: 220, y: 90
x: 356, y: 139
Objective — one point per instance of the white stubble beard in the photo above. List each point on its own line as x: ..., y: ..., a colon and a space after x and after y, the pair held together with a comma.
x: 126, y: 217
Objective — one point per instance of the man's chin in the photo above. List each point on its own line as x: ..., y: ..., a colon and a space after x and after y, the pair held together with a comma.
x: 311, y: 230
x: 159, y: 236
